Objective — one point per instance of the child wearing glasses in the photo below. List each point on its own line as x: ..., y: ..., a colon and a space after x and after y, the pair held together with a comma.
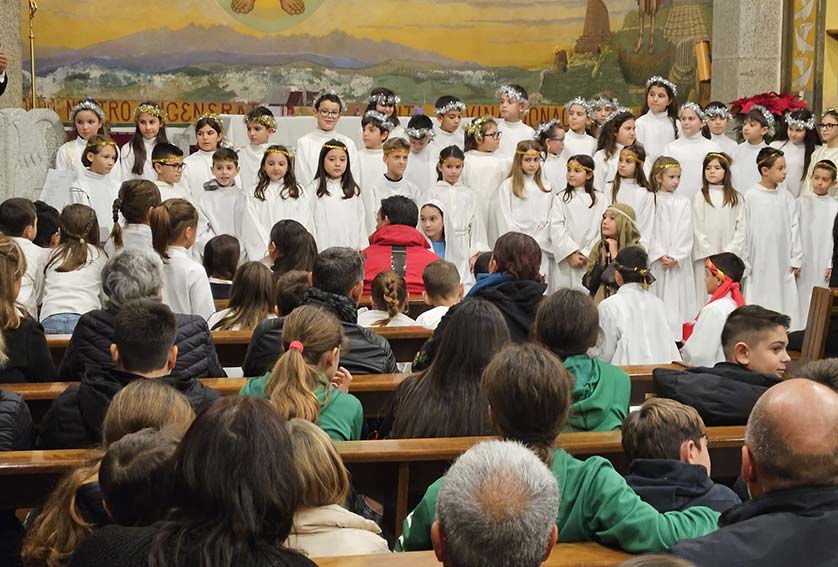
x: 551, y: 136
x: 167, y: 160
x: 828, y: 128
x: 327, y: 108
x: 485, y: 169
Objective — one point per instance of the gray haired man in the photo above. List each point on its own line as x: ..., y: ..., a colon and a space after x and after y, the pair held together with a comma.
x: 496, y: 507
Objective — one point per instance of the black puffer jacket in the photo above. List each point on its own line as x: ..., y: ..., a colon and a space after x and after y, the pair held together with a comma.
x: 93, y: 336
x: 74, y: 420
x: 15, y: 423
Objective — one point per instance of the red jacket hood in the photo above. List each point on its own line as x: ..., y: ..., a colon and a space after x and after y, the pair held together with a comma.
x: 398, y: 235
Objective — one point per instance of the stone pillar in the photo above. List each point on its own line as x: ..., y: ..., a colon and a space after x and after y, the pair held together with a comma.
x: 11, y: 44
x: 747, y: 48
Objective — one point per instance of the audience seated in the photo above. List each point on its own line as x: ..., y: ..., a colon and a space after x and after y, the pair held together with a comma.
x: 389, y: 303
x: 16, y: 433
x: 322, y: 527
x: 529, y: 393
x: 291, y: 247
x: 252, y: 300
x: 442, y: 290
x: 824, y: 371
x: 221, y: 258
x: 445, y: 399
x: 666, y: 444
x: 307, y: 381
x: 48, y: 223
x: 397, y: 245
x: 19, y: 221
x: 496, y: 506
x: 567, y: 323
x: 290, y: 291
x: 656, y: 560
x: 144, y: 348
x: 134, y: 274
x: 337, y: 279
x: 790, y: 464
x: 754, y: 341
x: 236, y: 491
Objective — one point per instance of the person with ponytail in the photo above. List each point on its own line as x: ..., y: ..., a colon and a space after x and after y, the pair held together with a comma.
x: 135, y: 156
x: 389, y: 302
x: 307, y: 381
x: 137, y: 198
x: 186, y: 287
x: 73, y: 273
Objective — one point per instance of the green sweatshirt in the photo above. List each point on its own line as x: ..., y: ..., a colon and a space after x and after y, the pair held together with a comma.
x: 596, y: 505
x: 600, y: 395
x: 342, y: 417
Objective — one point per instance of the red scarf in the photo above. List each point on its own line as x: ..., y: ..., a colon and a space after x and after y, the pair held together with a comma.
x: 728, y: 286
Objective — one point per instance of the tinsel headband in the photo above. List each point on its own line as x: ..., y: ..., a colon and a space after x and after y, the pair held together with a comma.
x: 420, y: 133
x: 286, y: 153
x: 87, y: 104
x: 722, y: 157
x: 661, y: 82
x: 100, y: 143
x: 695, y: 108
x: 168, y: 160
x: 453, y: 105
x: 214, y: 118
x: 617, y: 112
x: 384, y: 100
x: 265, y: 120
x: 151, y: 109
x: 474, y: 126
x: 335, y: 147
x: 602, y: 102
x: 382, y: 122
x: 826, y: 164
x: 581, y: 102
x: 319, y: 98
x: 512, y: 94
x: 665, y: 165
x: 575, y: 164
x: 545, y: 127
x: 717, y: 112
x: 630, y: 155
x: 801, y: 124
x: 531, y: 152
x: 769, y: 118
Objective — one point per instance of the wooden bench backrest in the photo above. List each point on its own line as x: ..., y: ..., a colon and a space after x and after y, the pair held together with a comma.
x: 817, y: 326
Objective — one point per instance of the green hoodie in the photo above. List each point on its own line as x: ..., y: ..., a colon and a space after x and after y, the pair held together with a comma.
x: 596, y: 505
x: 342, y: 417
x: 600, y: 395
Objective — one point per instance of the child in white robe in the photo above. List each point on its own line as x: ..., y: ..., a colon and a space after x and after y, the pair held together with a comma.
x: 137, y: 198
x: 551, y: 135
x: 94, y: 186
x: 135, y: 157
x: 657, y: 125
x: 757, y: 124
x: 19, y: 220
x: 514, y: 104
x: 186, y: 287
x: 630, y: 187
x: 602, y: 105
x: 485, y: 169
x: 338, y: 209
x: 261, y: 124
x: 703, y: 339
x: 524, y: 201
x: 88, y: 120
x: 277, y: 197
x: 167, y: 160
x: 209, y: 134
x: 671, y: 246
x: 690, y: 149
x: 386, y: 102
x: 798, y: 141
x: 616, y: 133
x: 393, y: 182
x: 817, y: 217
x: 465, y: 235
x: 718, y: 118
x: 633, y: 321
x: 577, y: 140
x: 719, y: 221
x: 575, y: 221
x: 221, y: 204
x: 775, y: 253
x: 828, y: 151
x: 375, y: 131
x: 449, y: 112
x: 421, y: 167
x: 327, y: 110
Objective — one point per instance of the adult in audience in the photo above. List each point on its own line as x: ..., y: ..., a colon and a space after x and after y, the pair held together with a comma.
x: 291, y: 247
x: 322, y: 527
x: 75, y: 509
x: 236, y: 492
x: 445, y: 399
x: 514, y: 285
x: 135, y: 274
x: 824, y: 371
x: 528, y: 391
x: 144, y: 348
x: 397, y: 245
x: 496, y: 506
x: 337, y: 280
x: 290, y: 291
x: 790, y: 464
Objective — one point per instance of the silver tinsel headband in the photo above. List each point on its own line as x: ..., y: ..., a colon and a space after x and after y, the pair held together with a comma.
x: 453, y: 105
x: 769, y: 118
x: 602, y: 102
x: 383, y: 124
x: 581, y: 102
x: 385, y: 100
x: 512, y: 94
x: 545, y: 127
x: 87, y: 104
x: 802, y: 124
x: 660, y: 81
x: 695, y: 108
x: 616, y: 113
x: 322, y: 94
x: 717, y: 112
x: 420, y: 133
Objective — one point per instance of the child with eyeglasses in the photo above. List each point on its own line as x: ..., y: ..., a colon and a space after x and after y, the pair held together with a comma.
x: 485, y: 169
x: 327, y: 110
x: 551, y: 135
x: 167, y: 160
x: 828, y: 128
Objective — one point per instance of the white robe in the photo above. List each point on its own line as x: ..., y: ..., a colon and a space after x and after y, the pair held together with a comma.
x: 643, y: 202
x: 465, y: 234
x: 817, y: 217
x: 97, y: 192
x: 136, y: 237
x: 484, y: 172
x: 690, y: 153
x: 511, y: 134
x: 250, y: 158
x: 178, y: 191
x: 443, y: 139
x: 127, y: 159
x: 726, y: 143
x: 634, y: 328
x: 32, y: 282
x: 383, y: 187
x: 605, y: 170
x: 198, y: 171
x: 654, y: 130
x: 69, y: 157
x: 554, y: 170
x: 186, y: 288
x: 421, y: 169
x: 260, y: 216
x: 744, y: 168
x: 795, y: 155
x: 338, y: 221
x: 574, y: 225
x: 530, y: 215
x: 308, y: 153
x: 704, y: 347
x: 579, y: 144
x: 774, y: 247
x: 223, y: 210
x: 820, y: 153
x: 673, y: 237
x: 371, y: 167
x: 369, y: 318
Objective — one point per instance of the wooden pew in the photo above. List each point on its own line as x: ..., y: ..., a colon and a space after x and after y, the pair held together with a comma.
x: 821, y: 311
x: 583, y: 554
x: 415, y: 305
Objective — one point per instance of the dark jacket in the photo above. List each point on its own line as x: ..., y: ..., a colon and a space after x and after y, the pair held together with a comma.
x: 16, y: 433
x: 402, y: 249
x: 722, y: 395
x: 795, y: 526
x: 129, y: 547
x: 670, y: 485
x: 28, y: 353
x: 74, y: 419
x: 91, y: 342
x: 369, y: 353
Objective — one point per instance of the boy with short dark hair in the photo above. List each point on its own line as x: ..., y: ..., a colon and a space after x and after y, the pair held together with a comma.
x: 19, y: 220
x: 375, y: 130
x: 514, y: 104
x: 443, y: 289
x: 754, y: 340
x: 666, y: 444
x: 421, y: 170
x: 449, y: 113
x: 393, y: 182
x: 221, y: 205
x: 48, y: 223
x: 167, y: 160
x: 290, y: 291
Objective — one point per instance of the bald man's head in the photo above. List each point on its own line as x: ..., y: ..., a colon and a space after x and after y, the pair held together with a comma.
x: 792, y: 435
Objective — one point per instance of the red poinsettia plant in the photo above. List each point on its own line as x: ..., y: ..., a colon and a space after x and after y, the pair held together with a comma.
x: 777, y: 104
